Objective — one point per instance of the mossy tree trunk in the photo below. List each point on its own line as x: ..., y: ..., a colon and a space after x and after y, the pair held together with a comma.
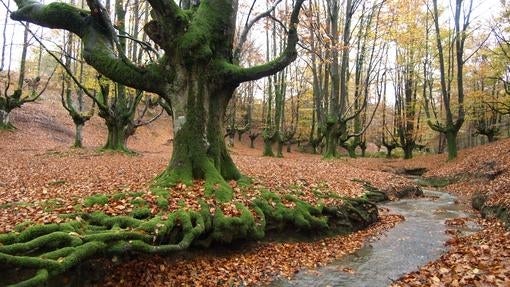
x: 253, y: 136
x: 331, y: 139
x: 389, y: 148
x: 117, y: 111
x: 451, y: 64
x: 408, y: 150
x: 19, y: 97
x: 4, y: 119
x: 197, y: 75
x: 74, y: 108
x: 451, y: 143
x: 363, y: 147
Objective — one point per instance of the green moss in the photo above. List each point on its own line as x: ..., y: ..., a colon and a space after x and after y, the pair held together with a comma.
x: 141, y: 213
x: 139, y: 202
x: 435, y: 181
x: 245, y: 182
x: 14, y: 204
x: 172, y: 177
x: 119, y: 196
x: 7, y: 127
x: 58, y: 247
x: 137, y: 193
x: 162, y: 203
x: 207, y: 30
x: 99, y: 199
x: 161, y: 192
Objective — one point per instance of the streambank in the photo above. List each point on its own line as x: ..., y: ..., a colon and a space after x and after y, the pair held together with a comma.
x: 419, y: 239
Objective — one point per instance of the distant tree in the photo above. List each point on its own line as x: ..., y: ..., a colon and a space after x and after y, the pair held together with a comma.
x: 26, y: 91
x: 75, y: 108
x: 451, y: 70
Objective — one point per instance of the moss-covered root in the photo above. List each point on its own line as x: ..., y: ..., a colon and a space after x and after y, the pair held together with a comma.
x: 52, y: 249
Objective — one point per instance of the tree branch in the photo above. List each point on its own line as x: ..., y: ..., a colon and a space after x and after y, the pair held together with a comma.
x: 98, y: 41
x: 288, y: 55
x: 247, y: 28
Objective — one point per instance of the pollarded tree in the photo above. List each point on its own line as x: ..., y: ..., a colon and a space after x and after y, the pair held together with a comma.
x: 197, y: 74
x: 75, y: 108
x: 451, y: 68
x: 12, y: 99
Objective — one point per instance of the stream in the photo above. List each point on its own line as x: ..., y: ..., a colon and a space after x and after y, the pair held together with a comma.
x: 412, y: 243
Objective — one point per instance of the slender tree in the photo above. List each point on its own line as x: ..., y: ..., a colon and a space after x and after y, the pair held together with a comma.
x: 451, y: 71
x: 26, y: 90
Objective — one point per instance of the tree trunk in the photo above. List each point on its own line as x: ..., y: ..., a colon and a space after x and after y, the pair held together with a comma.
x: 388, y: 151
x: 451, y: 142
x: 351, y: 150
x: 363, y: 150
x: 252, y: 142
x: 78, y: 142
x: 199, y: 150
x: 408, y: 151
x: 279, y: 147
x: 116, y: 137
x: 4, y: 119
x: 197, y: 75
x: 331, y: 141
x: 491, y: 137
x: 268, y: 147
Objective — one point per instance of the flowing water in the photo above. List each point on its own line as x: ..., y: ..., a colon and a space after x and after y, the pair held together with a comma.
x: 402, y: 249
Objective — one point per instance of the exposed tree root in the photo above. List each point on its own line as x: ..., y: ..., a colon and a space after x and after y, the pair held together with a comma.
x: 55, y: 248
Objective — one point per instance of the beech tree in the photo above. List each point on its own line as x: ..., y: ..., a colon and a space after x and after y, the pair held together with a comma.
x: 451, y: 71
x: 75, y: 108
x: 11, y: 99
x: 197, y: 74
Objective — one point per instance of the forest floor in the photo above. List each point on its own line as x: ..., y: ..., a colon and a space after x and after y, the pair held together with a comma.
x: 42, y: 178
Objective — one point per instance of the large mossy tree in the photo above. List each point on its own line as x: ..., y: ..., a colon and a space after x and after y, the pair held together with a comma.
x: 197, y: 74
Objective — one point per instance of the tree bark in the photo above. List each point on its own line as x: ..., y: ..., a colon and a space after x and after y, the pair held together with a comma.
x: 4, y: 119
x: 408, y: 151
x: 199, y: 148
x: 78, y: 138
x: 451, y: 143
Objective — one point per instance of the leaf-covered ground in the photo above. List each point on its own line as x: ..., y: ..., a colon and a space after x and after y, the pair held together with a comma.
x: 481, y: 259
x: 41, y: 178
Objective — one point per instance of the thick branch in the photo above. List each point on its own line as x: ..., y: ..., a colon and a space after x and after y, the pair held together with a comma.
x: 288, y: 55
x: 98, y: 49
x: 247, y: 28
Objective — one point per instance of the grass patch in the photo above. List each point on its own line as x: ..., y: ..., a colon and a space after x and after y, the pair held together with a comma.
x: 119, y: 196
x: 99, y: 199
x: 13, y: 204
x: 162, y: 203
x: 434, y: 181
x: 139, y: 202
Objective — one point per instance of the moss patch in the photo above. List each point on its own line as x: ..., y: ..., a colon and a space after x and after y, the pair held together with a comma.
x: 435, y: 181
x: 99, y: 199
